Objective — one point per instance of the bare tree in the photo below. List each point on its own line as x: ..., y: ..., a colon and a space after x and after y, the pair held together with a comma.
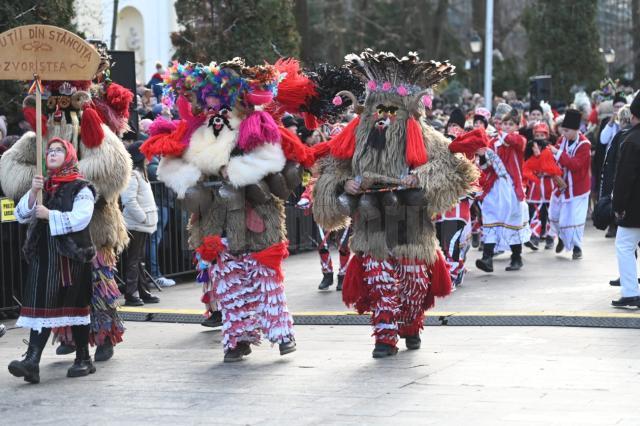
x: 635, y: 11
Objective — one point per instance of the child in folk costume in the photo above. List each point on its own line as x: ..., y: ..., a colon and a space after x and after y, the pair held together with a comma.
x: 504, y: 210
x: 569, y: 205
x: 454, y: 226
x: 540, y: 172
x: 481, y: 119
x: 59, y: 250
x: 397, y: 269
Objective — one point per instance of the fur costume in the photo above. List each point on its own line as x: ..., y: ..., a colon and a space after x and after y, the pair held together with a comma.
x: 395, y: 274
x: 233, y: 167
x: 105, y: 163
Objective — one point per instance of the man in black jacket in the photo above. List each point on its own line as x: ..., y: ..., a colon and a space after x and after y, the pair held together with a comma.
x: 626, y: 205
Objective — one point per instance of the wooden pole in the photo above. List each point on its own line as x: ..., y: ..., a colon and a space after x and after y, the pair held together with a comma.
x: 39, y: 168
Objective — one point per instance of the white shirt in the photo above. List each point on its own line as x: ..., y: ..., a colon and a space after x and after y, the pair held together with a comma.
x: 61, y: 223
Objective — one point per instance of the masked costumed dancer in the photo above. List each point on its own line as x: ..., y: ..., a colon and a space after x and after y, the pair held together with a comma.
x: 569, y: 205
x: 59, y: 250
x: 542, y: 175
x: 89, y: 116
x: 397, y: 269
x: 505, y: 216
x: 233, y: 167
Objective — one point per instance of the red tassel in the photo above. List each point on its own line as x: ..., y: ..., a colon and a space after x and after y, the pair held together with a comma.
x: 343, y: 145
x: 294, y: 149
x: 319, y: 150
x: 272, y: 257
x: 211, y: 248
x: 468, y: 143
x: 310, y: 121
x: 416, y: 152
x: 166, y: 144
x: 296, y: 88
x: 91, y: 128
x: 119, y: 98
x: 353, y: 287
x: 440, y: 277
x: 29, y: 114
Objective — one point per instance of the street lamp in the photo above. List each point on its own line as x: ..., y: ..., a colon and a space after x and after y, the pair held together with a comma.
x: 475, y: 44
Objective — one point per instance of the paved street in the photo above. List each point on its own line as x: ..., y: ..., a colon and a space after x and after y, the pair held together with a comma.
x: 548, y: 282
x: 173, y: 373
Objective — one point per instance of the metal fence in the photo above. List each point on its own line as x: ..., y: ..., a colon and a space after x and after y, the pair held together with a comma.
x: 172, y: 255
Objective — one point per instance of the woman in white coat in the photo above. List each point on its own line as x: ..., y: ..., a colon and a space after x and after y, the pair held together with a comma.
x: 141, y: 216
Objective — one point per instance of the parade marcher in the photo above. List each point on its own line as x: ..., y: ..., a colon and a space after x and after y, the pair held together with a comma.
x: 456, y: 123
x: 540, y: 169
x: 141, y: 216
x: 454, y: 226
x: 505, y: 218
x: 397, y: 269
x: 90, y: 115
x: 234, y: 167
x: 626, y: 205
x: 481, y: 119
x: 59, y: 250
x: 568, y: 207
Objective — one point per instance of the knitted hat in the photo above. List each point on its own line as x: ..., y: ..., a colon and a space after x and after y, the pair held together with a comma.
x: 535, y: 106
x: 572, y: 119
x: 501, y: 110
x: 541, y: 128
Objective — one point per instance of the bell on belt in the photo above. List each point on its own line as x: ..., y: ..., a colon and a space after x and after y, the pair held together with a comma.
x: 390, y: 204
x: 197, y: 199
x: 278, y: 185
x: 369, y: 207
x: 293, y: 174
x: 413, y: 197
x: 347, y: 204
x: 258, y: 193
x: 233, y: 197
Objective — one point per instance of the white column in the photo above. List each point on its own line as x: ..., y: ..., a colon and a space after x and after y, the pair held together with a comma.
x: 488, y: 57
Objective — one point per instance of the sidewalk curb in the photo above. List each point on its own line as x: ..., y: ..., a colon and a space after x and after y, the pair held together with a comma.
x: 472, y: 319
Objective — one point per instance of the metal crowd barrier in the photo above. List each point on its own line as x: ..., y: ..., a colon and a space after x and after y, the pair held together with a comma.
x: 174, y: 258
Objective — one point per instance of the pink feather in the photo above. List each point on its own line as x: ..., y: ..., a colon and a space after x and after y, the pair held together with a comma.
x: 162, y: 125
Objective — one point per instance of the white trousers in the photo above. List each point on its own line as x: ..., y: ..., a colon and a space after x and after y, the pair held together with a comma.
x: 627, y: 240
x: 567, y: 219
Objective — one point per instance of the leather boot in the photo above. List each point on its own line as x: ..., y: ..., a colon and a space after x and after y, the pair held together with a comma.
x: 327, y: 281
x: 382, y: 350
x: 486, y: 263
x: 413, y: 342
x: 65, y: 349
x: 516, y: 258
x: 287, y: 348
x: 340, y: 281
x: 29, y: 367
x: 236, y: 354
x: 82, y: 366
x: 104, y: 352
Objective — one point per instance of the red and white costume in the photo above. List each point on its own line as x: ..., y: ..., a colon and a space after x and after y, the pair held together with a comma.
x: 505, y: 214
x: 538, y: 174
x: 568, y: 210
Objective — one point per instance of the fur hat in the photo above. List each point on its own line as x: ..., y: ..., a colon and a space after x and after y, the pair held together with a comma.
x: 535, y: 106
x: 501, y: 110
x: 619, y: 97
x: 513, y: 115
x: 635, y: 105
x: 572, y: 119
x: 456, y: 117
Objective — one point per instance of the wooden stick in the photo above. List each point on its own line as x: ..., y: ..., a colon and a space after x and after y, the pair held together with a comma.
x: 39, y: 162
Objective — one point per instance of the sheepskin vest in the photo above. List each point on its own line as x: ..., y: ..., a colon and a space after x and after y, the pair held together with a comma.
x: 77, y: 246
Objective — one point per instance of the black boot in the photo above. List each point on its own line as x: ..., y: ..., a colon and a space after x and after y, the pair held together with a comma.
x: 29, y: 367
x: 475, y: 240
x: 287, y: 348
x: 486, y: 263
x: 340, y: 280
x: 104, y: 352
x: 82, y: 366
x: 548, y: 245
x: 577, y: 253
x: 516, y: 258
x: 559, y: 246
x: 214, y: 320
x: 236, y: 354
x: 327, y: 281
x: 65, y: 349
x: 382, y: 350
x: 413, y: 342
